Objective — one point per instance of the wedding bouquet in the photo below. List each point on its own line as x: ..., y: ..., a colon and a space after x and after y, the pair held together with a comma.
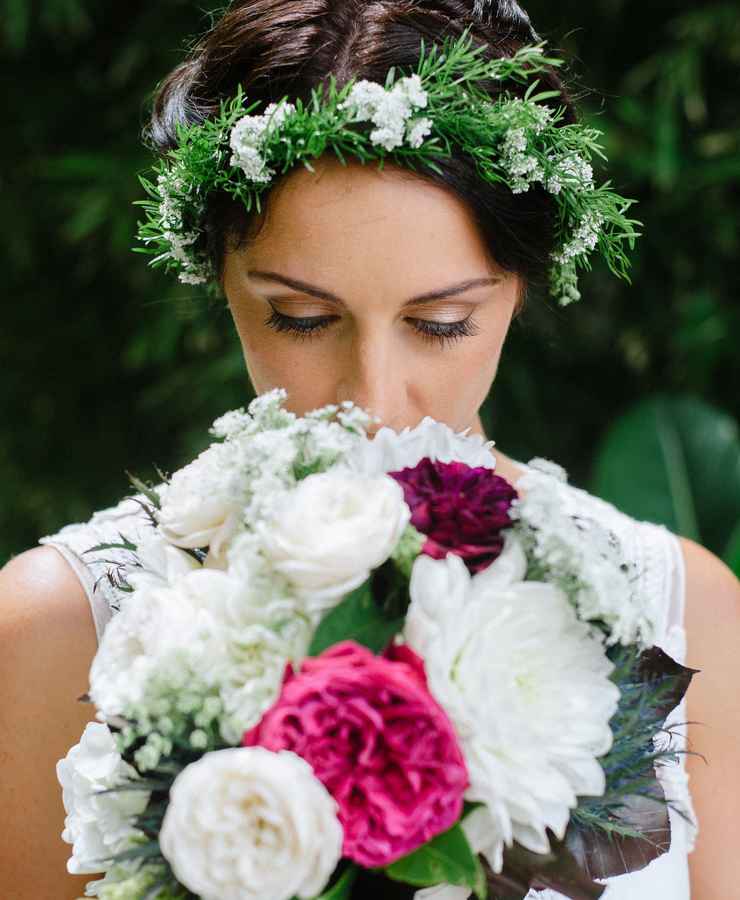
x: 351, y: 667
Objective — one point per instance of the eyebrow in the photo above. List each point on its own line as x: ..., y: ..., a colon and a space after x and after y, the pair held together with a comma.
x: 322, y: 294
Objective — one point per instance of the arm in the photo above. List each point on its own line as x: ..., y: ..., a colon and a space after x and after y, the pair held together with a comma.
x: 47, y: 642
x: 713, y: 700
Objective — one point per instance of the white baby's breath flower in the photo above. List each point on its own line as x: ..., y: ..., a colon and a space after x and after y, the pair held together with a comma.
x: 584, y: 238
x: 411, y: 88
x: 362, y: 99
x: 97, y: 825
x: 581, y: 556
x: 230, y: 424
x: 526, y: 685
x: 417, y: 130
x: 247, y: 823
x: 389, y: 110
x: 573, y: 169
x: 207, y: 635
x: 248, y: 136
x: 329, y: 533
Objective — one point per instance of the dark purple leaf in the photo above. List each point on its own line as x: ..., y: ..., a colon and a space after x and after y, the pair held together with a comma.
x: 558, y: 870
x: 603, y: 855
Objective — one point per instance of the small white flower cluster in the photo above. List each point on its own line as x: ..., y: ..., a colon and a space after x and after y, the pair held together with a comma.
x: 584, y: 238
x: 571, y: 169
x: 248, y: 137
x: 170, y: 212
x: 390, y: 110
x: 583, y: 558
x: 523, y: 168
x: 525, y: 120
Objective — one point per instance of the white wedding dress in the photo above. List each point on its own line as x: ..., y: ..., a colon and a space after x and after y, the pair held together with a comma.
x: 659, y: 558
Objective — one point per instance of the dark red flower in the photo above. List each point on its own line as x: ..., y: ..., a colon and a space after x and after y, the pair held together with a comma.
x: 460, y: 508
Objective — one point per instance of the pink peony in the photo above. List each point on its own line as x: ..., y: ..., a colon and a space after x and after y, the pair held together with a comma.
x: 461, y: 509
x: 379, y: 742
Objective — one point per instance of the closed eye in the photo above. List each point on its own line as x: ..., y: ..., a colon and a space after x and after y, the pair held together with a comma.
x: 303, y: 328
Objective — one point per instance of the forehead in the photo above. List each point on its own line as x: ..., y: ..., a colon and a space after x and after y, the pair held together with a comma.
x: 360, y: 217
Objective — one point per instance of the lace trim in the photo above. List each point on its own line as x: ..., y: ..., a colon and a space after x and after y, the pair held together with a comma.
x: 126, y: 518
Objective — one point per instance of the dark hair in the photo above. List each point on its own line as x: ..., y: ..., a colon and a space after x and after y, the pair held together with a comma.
x: 287, y: 47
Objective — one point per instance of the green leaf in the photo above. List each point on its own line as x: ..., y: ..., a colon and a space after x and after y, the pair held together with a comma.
x: 731, y: 555
x: 447, y: 858
x: 357, y: 618
x: 675, y: 460
x: 341, y: 890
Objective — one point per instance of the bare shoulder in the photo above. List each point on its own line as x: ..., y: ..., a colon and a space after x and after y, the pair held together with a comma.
x: 712, y: 598
x: 47, y: 642
x: 712, y: 622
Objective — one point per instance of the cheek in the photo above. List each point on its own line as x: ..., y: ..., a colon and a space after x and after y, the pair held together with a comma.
x: 451, y: 384
x: 274, y: 360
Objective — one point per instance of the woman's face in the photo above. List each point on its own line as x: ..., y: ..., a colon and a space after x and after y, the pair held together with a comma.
x: 370, y: 266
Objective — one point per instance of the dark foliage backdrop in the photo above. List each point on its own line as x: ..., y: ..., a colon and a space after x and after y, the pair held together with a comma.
x: 109, y: 366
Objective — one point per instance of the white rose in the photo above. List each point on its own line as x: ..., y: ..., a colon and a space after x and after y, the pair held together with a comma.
x: 248, y: 823
x: 97, y: 825
x: 202, y: 504
x: 327, y: 535
x: 526, y: 685
x: 161, y: 562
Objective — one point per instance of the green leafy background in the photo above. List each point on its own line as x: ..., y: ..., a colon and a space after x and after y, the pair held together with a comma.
x: 109, y: 366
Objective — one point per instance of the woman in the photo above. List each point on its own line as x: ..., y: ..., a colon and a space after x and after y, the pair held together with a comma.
x: 392, y: 290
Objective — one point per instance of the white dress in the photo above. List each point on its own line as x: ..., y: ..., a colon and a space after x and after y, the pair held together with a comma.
x: 659, y: 558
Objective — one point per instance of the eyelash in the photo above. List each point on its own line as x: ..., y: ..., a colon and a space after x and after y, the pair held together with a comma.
x: 433, y: 332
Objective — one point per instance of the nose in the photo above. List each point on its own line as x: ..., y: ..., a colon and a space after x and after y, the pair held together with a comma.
x: 371, y: 377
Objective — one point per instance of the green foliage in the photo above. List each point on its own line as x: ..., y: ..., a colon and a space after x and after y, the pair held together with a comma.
x: 460, y: 113
x: 447, y: 858
x: 675, y: 459
x: 358, y: 617
x: 109, y: 366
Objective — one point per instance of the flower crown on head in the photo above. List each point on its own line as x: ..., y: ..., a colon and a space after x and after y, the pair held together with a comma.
x: 415, y: 120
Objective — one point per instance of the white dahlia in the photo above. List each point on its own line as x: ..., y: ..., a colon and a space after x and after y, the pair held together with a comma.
x: 392, y: 450
x: 526, y: 684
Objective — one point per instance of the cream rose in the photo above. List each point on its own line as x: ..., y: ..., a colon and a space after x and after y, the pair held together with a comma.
x: 328, y: 534
x: 202, y: 504
x: 247, y: 823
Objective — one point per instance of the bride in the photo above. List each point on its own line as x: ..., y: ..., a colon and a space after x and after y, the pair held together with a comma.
x: 395, y: 290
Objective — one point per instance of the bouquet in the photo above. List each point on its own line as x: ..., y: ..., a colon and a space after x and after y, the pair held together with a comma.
x: 349, y: 667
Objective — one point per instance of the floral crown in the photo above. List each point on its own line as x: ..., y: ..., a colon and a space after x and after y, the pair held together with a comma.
x: 415, y: 119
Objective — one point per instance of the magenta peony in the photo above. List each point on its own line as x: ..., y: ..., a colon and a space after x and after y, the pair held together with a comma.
x: 461, y: 509
x: 379, y: 742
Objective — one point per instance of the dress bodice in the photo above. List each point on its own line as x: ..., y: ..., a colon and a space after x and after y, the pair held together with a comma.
x: 660, y: 564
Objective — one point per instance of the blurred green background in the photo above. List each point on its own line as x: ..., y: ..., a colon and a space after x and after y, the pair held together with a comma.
x: 110, y: 366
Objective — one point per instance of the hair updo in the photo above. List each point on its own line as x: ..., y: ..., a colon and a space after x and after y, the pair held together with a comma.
x: 275, y: 48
